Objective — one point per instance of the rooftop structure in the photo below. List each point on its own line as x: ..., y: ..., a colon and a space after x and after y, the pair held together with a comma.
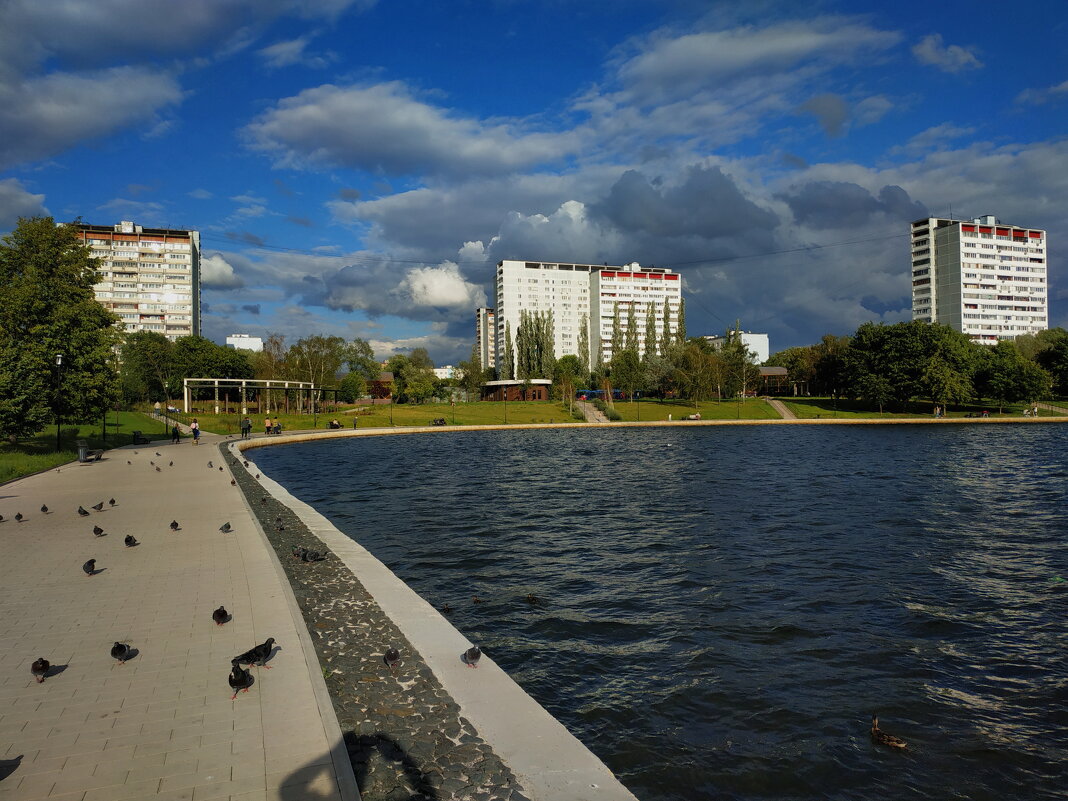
x: 757, y: 343
x: 244, y: 342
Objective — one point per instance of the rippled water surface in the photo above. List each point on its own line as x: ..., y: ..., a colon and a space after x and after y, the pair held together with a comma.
x: 726, y: 607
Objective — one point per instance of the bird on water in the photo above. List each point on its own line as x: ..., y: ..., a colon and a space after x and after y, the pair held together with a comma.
x: 89, y: 568
x: 220, y: 616
x: 256, y: 656
x: 880, y: 737
x: 471, y: 656
x: 40, y: 669
x: 121, y: 652
x: 240, y: 679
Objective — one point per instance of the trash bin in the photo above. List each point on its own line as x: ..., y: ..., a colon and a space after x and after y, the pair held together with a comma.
x: 83, y: 451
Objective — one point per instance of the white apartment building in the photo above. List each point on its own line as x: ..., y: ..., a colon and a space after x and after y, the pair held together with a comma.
x: 578, y: 292
x: 981, y: 277
x: 759, y: 344
x: 486, y: 337
x: 245, y: 342
x: 149, y: 277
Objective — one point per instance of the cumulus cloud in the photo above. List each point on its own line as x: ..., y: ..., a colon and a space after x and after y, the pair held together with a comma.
x: 839, y: 204
x: 48, y: 114
x: 1037, y: 97
x: 831, y: 111
x: 251, y: 308
x: 383, y: 127
x: 217, y: 273
x: 931, y: 51
x: 16, y: 202
x: 938, y: 136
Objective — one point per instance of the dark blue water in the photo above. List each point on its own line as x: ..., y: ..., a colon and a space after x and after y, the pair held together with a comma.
x: 726, y: 607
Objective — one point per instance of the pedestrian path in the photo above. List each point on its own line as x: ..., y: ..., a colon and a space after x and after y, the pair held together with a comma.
x: 591, y: 412
x: 162, y: 725
x: 782, y: 409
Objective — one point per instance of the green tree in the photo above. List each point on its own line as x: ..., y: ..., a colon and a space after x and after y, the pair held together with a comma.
x: 627, y: 372
x: 945, y: 385
x: 47, y: 307
x: 680, y: 331
x: 361, y: 359
x: 507, y: 359
x: 1053, y: 357
x: 630, y: 337
x: 617, y: 331
x: 799, y: 363
x: 741, y: 372
x: 352, y: 387
x: 693, y: 375
x: 584, y: 347
x: 148, y: 366
x: 650, y: 333
x: 472, y: 375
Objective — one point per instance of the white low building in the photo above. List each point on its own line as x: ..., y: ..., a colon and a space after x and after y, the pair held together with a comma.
x: 244, y: 342
x: 757, y: 343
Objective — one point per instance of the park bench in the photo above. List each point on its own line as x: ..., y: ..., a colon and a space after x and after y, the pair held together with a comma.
x: 87, y: 454
x: 438, y: 421
x: 139, y: 438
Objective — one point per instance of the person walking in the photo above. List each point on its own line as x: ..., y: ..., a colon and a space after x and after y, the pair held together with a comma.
x: 267, y: 425
x: 176, y: 435
x: 246, y: 428
x: 195, y: 428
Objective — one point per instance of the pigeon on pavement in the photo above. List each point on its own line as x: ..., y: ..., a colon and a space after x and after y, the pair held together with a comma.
x: 89, y: 568
x: 121, y: 652
x: 392, y: 659
x: 240, y: 679
x: 471, y: 656
x: 257, y: 655
x: 44, y: 509
x: 98, y: 506
x: 220, y: 616
x: 225, y: 528
x: 18, y: 517
x: 111, y: 502
x: 131, y: 541
x: 175, y: 526
x: 40, y: 669
x: 83, y: 512
x: 99, y: 532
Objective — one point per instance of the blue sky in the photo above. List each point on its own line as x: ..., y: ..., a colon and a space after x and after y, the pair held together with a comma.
x: 358, y: 167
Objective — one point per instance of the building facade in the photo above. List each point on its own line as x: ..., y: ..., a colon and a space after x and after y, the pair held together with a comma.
x: 757, y: 343
x: 486, y: 337
x: 584, y: 295
x: 981, y: 277
x: 244, y: 342
x: 149, y: 277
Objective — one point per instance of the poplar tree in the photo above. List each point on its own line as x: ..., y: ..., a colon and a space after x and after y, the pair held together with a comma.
x: 630, y: 338
x: 508, y: 357
x: 680, y: 332
x: 650, y: 333
x: 666, y: 338
x: 584, y: 348
x: 547, y: 361
x: 617, y: 334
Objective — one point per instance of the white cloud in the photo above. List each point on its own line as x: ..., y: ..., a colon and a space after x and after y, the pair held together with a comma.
x: 937, y: 136
x: 46, y: 115
x: 200, y: 194
x: 142, y: 210
x: 930, y: 50
x: 294, y: 51
x: 16, y: 202
x: 1039, y: 96
x: 383, y: 127
x: 217, y: 273
x: 441, y: 287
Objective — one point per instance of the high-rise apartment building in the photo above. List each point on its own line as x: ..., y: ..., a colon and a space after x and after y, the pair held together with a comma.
x: 980, y: 277
x: 149, y: 277
x: 583, y: 294
x: 486, y: 337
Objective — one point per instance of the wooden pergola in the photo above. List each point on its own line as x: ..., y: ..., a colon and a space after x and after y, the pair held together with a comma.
x: 306, y: 392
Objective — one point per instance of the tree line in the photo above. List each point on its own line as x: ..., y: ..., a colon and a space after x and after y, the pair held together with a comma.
x: 891, y: 365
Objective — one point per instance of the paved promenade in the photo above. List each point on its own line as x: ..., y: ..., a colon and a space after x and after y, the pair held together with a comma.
x: 161, y: 726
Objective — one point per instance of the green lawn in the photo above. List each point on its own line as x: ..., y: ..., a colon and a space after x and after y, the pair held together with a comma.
x: 39, y: 452
x: 403, y: 414
x: 811, y: 408
x: 750, y: 409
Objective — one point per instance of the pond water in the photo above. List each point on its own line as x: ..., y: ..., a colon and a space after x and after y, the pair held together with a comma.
x: 724, y: 608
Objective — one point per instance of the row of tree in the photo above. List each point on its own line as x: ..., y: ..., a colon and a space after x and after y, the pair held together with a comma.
x: 892, y: 365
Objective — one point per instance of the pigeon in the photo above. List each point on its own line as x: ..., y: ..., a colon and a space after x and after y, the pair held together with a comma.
x: 111, y: 502
x: 881, y: 737
x: 210, y: 466
x: 158, y: 453
x: 83, y: 512
x: 136, y: 453
x: 297, y: 551
x: 131, y: 541
x: 175, y: 526
x: 471, y: 656
x: 1, y: 518
x: 18, y: 517
x: 128, y: 462
x: 170, y: 464
x: 311, y: 556
x: 44, y: 509
x: 257, y: 475
x: 240, y: 679
x: 40, y: 669
x: 89, y: 567
x: 158, y: 469
x: 99, y: 532
x: 98, y: 506
x: 151, y: 462
x: 233, y: 482
x: 220, y: 468
x: 245, y: 464
x: 257, y: 655
x: 392, y: 659
x: 263, y: 501
x: 225, y: 528
x: 220, y: 616
x: 120, y: 652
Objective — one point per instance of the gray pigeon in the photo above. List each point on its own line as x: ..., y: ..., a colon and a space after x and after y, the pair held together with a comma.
x: 257, y: 655
x: 40, y: 669
x: 175, y: 526
x: 83, y: 512
x: 471, y: 656
x: 225, y: 528
x: 89, y: 568
x: 392, y: 659
x: 220, y: 616
x: 99, y: 532
x: 121, y: 652
x: 240, y: 679
x: 131, y: 541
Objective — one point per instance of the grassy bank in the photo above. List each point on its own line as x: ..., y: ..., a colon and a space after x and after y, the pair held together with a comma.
x: 39, y: 452
x: 403, y: 414
x: 812, y: 408
x: 649, y: 410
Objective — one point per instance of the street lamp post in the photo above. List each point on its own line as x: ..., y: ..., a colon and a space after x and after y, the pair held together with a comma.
x: 59, y: 382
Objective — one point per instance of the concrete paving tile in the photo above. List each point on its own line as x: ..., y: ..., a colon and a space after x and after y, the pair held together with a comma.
x: 256, y: 795
x: 36, y: 786
x: 46, y: 765
x: 145, y: 788
x: 183, y: 780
